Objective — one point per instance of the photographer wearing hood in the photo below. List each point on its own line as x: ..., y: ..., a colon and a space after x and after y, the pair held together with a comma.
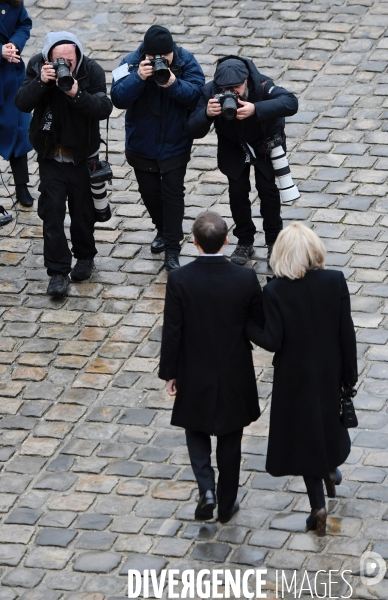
x: 67, y: 92
x: 158, y: 84
x: 247, y: 110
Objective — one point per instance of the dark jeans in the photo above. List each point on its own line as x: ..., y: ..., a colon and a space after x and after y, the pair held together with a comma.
x: 58, y: 182
x: 240, y: 206
x: 164, y: 197
x: 19, y: 169
x: 315, y: 492
x: 228, y: 456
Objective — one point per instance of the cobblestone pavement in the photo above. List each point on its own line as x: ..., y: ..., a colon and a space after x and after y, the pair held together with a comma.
x: 93, y: 476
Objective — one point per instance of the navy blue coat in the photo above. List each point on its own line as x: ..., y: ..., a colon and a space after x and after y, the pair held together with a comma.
x: 156, y: 117
x: 15, y: 26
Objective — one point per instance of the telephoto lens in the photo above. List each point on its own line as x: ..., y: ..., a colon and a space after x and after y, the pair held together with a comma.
x: 102, y: 210
x: 229, y: 108
x: 287, y: 189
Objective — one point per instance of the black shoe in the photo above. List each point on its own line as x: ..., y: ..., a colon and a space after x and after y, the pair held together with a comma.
x: 82, y: 270
x: 58, y: 285
x: 269, y: 253
x: 171, y: 261
x: 23, y: 195
x: 206, y: 504
x: 158, y: 244
x: 242, y: 254
x: 225, y: 517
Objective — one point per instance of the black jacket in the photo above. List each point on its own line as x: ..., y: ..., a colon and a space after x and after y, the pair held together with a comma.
x: 204, y: 348
x: 272, y: 104
x: 308, y: 325
x: 87, y: 108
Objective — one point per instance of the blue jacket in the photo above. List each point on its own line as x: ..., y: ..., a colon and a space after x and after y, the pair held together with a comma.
x: 156, y: 117
x: 15, y: 26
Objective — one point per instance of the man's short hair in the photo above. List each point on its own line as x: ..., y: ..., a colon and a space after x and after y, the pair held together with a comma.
x: 210, y: 231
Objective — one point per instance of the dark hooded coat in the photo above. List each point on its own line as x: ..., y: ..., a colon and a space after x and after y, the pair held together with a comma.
x: 272, y: 104
x: 308, y: 325
x: 15, y: 26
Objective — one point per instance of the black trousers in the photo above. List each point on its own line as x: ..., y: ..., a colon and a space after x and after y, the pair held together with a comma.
x: 164, y: 197
x: 19, y: 169
x: 315, y: 492
x: 240, y: 206
x: 228, y: 456
x: 58, y: 182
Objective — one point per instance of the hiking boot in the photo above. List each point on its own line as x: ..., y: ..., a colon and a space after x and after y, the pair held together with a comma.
x: 58, y: 285
x: 82, y: 270
x: 242, y: 254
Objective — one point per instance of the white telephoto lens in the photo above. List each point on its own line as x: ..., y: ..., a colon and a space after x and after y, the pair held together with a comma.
x: 289, y: 194
x: 285, y: 181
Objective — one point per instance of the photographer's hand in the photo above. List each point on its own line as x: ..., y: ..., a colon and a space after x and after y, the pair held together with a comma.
x: 248, y: 109
x: 145, y: 70
x: 213, y: 108
x: 47, y: 73
x: 170, y: 81
x: 73, y: 90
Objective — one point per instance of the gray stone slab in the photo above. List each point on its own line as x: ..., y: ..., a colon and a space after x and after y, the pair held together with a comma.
x: 55, y: 537
x: 97, y: 562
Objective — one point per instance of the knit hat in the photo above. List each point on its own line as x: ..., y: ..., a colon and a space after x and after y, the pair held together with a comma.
x: 231, y: 72
x: 158, y: 40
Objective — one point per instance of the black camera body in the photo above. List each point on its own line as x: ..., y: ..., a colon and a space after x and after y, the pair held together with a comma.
x: 229, y: 103
x: 62, y: 69
x: 161, y: 73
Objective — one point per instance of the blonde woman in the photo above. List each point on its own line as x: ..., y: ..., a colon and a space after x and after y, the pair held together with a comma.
x: 309, y: 327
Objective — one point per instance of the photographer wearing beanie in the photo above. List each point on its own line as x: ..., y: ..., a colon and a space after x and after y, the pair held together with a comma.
x: 243, y: 134
x: 158, y: 84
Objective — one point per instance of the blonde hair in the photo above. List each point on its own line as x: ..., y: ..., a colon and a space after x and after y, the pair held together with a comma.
x: 297, y: 250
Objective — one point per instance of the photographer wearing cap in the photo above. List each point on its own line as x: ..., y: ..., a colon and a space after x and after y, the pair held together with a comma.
x: 244, y: 121
x: 158, y: 84
x: 67, y: 92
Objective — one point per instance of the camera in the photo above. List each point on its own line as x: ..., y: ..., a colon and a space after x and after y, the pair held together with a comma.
x: 228, y: 101
x: 287, y: 189
x: 161, y: 73
x: 62, y: 69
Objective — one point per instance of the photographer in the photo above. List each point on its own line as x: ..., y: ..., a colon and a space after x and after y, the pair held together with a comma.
x: 158, y: 84
x: 67, y: 92
x: 243, y: 125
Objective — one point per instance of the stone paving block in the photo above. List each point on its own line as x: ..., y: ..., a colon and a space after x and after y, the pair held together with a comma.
x: 55, y: 537
x: 92, y: 521
x: 61, y: 482
x: 97, y: 562
x: 58, y: 519
x: 211, y: 552
x: 24, y: 516
x: 140, y: 563
x: 64, y: 581
x: 48, y: 558
x: 96, y: 541
x: 24, y: 578
x: 269, y: 538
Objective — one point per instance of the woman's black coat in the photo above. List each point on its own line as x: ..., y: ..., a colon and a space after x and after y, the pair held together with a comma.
x: 309, y: 327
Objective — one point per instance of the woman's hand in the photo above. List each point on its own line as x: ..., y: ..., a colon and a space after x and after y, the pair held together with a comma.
x: 171, y: 387
x: 10, y: 53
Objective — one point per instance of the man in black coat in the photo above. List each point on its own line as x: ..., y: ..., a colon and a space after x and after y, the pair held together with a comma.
x: 242, y: 142
x: 65, y: 132
x: 207, y: 361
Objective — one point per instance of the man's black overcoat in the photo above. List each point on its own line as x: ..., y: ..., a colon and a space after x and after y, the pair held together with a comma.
x: 204, y: 348
x: 309, y: 327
